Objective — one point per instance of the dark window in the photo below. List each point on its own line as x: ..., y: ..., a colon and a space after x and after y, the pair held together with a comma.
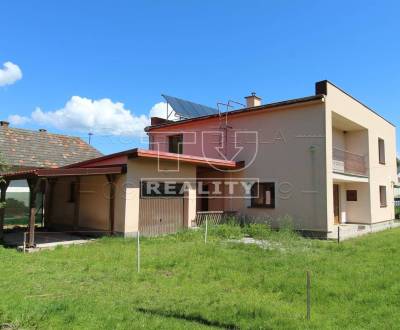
x: 72, y: 187
x: 381, y: 145
x: 161, y: 189
x: 382, y: 196
x: 204, y: 195
x: 351, y: 195
x: 263, y: 195
x: 175, y: 143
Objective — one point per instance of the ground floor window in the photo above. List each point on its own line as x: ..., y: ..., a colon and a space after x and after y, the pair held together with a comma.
x: 382, y: 196
x: 351, y: 195
x: 263, y: 195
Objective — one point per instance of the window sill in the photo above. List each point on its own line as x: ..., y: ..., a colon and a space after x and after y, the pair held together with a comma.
x: 261, y: 207
x: 383, y: 206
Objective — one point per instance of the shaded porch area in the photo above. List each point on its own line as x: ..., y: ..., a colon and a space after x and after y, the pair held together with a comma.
x: 77, y: 205
x: 44, y: 240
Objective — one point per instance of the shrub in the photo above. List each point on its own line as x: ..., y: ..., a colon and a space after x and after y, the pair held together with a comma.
x: 230, y: 231
x: 15, y: 208
x: 258, y: 230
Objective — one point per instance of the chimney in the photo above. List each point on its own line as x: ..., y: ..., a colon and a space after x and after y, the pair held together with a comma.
x: 253, y: 100
x: 4, y: 123
x: 42, y: 130
x: 159, y: 121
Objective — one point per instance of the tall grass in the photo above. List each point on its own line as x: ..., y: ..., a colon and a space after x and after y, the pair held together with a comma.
x: 186, y: 284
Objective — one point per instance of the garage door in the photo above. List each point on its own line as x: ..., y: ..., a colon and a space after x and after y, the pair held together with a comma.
x: 159, y: 216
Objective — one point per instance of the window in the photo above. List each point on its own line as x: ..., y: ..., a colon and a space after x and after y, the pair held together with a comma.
x: 72, y: 187
x: 351, y: 195
x: 382, y: 196
x: 263, y: 195
x: 175, y: 143
x: 381, y: 146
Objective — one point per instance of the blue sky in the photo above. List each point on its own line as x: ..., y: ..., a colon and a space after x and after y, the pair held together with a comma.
x: 206, y: 51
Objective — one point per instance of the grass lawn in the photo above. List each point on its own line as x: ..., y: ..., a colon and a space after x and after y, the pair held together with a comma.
x: 186, y: 284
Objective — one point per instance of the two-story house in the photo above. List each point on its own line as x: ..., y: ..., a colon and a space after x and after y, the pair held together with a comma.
x: 326, y: 160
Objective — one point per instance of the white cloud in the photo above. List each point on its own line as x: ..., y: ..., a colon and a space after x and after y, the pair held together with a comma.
x: 9, y: 74
x: 18, y: 120
x: 97, y: 116
x: 160, y: 110
x: 102, y: 117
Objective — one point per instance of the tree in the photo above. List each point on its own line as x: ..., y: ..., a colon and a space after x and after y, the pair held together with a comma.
x: 398, y: 165
x: 3, y: 186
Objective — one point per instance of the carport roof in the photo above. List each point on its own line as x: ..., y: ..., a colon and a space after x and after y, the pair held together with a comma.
x: 115, y: 163
x: 121, y: 158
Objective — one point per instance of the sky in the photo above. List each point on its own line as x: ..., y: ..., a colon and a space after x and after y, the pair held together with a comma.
x: 75, y: 67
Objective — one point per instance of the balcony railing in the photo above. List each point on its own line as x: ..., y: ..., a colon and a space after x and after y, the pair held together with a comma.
x: 349, y: 163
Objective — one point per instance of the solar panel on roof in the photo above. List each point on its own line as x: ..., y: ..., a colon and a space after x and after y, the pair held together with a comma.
x: 187, y: 109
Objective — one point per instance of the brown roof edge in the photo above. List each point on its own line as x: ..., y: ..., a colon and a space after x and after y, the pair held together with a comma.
x: 243, y: 110
x: 321, y: 87
x: 79, y: 171
x: 152, y: 154
x: 137, y: 153
x: 86, y: 162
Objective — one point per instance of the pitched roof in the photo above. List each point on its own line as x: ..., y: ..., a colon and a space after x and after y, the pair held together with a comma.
x: 33, y: 149
x: 250, y: 110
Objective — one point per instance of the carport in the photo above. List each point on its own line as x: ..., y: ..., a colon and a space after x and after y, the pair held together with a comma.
x: 45, y: 180
x: 105, y: 194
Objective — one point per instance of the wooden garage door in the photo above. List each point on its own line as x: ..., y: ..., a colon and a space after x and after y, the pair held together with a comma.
x: 159, y: 216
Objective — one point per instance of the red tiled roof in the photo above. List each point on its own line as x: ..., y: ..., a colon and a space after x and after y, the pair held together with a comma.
x: 34, y: 149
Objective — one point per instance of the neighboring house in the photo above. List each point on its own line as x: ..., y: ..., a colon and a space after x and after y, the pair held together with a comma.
x: 326, y: 160
x: 22, y: 150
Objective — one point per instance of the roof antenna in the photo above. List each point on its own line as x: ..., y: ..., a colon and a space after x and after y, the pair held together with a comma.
x: 90, y: 137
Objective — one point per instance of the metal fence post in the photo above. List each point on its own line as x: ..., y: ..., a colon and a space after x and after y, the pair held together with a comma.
x: 138, y: 252
x: 338, y: 234
x: 308, y: 295
x: 206, y: 232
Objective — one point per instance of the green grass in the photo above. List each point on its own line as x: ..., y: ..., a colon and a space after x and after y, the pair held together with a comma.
x: 186, y: 284
x: 21, y: 220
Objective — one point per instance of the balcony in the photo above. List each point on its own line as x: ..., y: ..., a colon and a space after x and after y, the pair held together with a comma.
x: 349, y: 163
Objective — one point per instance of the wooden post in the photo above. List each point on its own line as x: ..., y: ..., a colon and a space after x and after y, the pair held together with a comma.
x: 49, y: 199
x: 77, y: 202
x: 3, y: 187
x: 308, y: 296
x: 111, y: 183
x: 33, y: 187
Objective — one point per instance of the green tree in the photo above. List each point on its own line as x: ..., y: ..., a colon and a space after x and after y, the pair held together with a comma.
x: 398, y: 165
x: 3, y: 169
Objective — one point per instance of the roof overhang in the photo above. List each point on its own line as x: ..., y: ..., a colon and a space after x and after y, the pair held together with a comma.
x: 116, y: 164
x: 61, y: 172
x: 195, y: 160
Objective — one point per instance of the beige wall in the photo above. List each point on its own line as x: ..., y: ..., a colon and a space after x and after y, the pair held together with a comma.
x: 141, y: 169
x: 340, y: 103
x: 62, y: 210
x: 94, y: 203
x: 94, y: 206
x: 290, y: 152
x: 338, y: 139
x: 354, y: 211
